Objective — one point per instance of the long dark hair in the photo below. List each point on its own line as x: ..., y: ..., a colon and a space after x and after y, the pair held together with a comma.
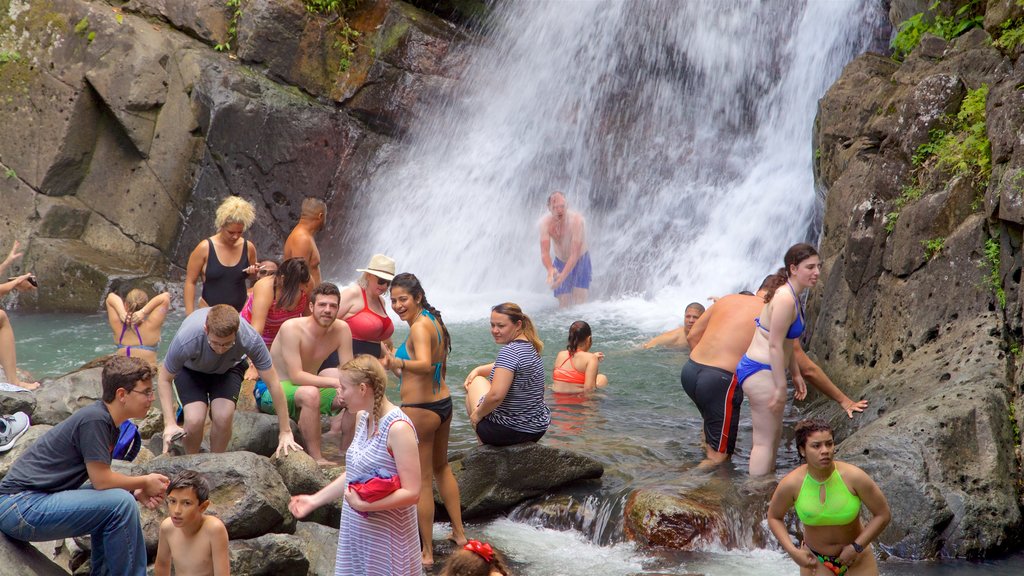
x: 411, y: 284
x: 292, y: 273
x: 516, y: 314
x: 579, y: 331
x: 796, y: 254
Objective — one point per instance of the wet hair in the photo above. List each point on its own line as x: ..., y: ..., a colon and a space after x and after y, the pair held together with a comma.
x: 124, y: 372
x: 365, y: 369
x: 796, y: 254
x: 293, y: 273
x: 515, y: 314
x: 235, y: 210
x: 411, y: 284
x: 579, y: 331
x: 191, y: 479
x: 266, y: 261
x: 804, y: 428
x: 325, y: 289
x: 312, y: 207
x: 464, y: 562
x: 222, y: 320
x: 553, y: 194
x: 696, y: 306
x: 135, y: 300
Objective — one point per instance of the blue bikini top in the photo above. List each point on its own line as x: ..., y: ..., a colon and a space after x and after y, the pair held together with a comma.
x: 403, y: 354
x: 797, y: 327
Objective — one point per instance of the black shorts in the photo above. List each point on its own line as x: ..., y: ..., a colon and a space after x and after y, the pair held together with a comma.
x: 332, y: 361
x: 365, y: 347
x: 195, y: 386
x: 495, y: 434
x: 718, y: 397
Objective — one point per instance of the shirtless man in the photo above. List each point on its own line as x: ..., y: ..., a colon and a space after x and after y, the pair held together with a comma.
x: 300, y: 243
x: 676, y: 338
x: 8, y: 355
x: 569, y: 274
x: 298, y: 351
x: 717, y: 341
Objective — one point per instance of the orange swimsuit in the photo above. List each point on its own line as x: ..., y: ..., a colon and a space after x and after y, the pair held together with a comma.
x: 570, y: 374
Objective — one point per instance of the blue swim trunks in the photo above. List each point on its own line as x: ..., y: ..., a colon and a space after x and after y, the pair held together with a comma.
x: 578, y: 278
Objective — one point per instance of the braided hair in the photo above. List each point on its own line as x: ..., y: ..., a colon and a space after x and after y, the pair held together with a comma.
x: 365, y: 369
x: 411, y: 284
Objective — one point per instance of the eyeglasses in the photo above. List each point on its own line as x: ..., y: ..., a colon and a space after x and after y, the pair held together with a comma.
x: 383, y: 282
x: 221, y: 345
x: 149, y: 393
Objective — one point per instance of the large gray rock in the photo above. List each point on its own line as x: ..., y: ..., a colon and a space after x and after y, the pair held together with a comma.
x: 11, y: 402
x: 23, y: 559
x: 61, y: 397
x: 27, y: 439
x: 268, y: 555
x: 302, y: 475
x: 319, y: 545
x: 207, y: 20
x: 492, y: 480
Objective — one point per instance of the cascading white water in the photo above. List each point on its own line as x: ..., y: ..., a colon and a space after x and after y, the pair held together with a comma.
x: 680, y: 129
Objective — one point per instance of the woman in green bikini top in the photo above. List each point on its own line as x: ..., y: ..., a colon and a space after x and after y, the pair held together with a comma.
x: 827, y: 496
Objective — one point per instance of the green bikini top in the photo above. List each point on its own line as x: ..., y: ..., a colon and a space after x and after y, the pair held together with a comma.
x: 839, y: 508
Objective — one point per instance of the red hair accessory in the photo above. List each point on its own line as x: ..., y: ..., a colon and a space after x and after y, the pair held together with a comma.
x: 481, y: 549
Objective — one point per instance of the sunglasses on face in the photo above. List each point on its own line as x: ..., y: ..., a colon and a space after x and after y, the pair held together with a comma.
x: 383, y: 282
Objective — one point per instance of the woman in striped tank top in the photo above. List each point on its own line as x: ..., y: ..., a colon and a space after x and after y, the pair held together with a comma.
x: 378, y: 538
x: 507, y: 406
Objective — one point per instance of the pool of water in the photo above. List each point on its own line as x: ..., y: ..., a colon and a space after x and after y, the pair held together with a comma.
x: 641, y: 427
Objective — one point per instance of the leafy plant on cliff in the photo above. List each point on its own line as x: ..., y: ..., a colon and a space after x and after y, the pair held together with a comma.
x: 1011, y: 33
x: 345, y: 40
x: 907, y: 195
x: 933, y: 247
x: 327, y: 6
x: 963, y: 149
x: 992, y: 277
x: 911, y: 30
x: 236, y: 12
x: 9, y: 56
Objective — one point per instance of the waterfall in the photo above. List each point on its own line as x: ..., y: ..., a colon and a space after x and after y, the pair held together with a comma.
x: 681, y: 130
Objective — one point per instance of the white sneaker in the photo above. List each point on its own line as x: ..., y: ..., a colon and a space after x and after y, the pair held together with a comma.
x: 12, y: 427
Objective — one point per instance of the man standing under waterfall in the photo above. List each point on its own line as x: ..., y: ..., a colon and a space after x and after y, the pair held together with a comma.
x: 300, y: 243
x: 569, y: 273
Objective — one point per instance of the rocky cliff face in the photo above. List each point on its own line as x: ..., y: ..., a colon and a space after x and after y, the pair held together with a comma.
x: 126, y: 123
x: 920, y: 311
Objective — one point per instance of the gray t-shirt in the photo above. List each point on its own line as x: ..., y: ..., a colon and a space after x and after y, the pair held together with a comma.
x: 191, y: 349
x: 56, y: 462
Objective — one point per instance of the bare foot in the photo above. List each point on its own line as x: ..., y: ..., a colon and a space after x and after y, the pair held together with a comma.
x: 459, y: 540
x: 29, y: 385
x: 428, y: 559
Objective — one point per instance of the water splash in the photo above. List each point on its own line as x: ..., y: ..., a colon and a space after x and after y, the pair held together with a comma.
x: 680, y: 129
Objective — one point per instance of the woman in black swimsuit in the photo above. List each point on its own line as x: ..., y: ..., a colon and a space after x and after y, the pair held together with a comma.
x: 223, y: 260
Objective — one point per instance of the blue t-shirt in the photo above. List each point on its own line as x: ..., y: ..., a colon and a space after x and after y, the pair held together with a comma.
x: 190, y: 348
x: 523, y: 408
x: 56, y: 462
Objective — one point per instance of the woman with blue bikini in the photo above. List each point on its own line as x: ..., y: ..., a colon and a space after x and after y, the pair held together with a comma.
x: 828, y: 496
x: 420, y: 363
x: 761, y: 372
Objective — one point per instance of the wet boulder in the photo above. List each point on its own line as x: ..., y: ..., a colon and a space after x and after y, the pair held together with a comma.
x: 302, y: 475
x: 493, y: 479
x: 688, y: 521
x: 319, y: 545
x: 268, y: 555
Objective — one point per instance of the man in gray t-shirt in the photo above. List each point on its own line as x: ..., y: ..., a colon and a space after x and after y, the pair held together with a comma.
x: 206, y: 361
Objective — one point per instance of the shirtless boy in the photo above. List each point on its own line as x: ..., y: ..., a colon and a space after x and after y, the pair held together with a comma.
x: 300, y: 348
x: 717, y: 341
x: 300, y: 243
x: 195, y: 543
x: 569, y: 273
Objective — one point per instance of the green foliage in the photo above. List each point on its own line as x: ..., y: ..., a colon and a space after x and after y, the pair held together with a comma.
x: 933, y: 247
x: 910, y: 32
x: 236, y: 12
x: 1012, y: 413
x: 91, y: 36
x: 907, y: 195
x: 992, y: 278
x: 346, y: 44
x: 963, y: 149
x: 82, y: 26
x: 9, y: 56
x: 329, y: 6
x: 10, y: 173
x: 1011, y: 35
